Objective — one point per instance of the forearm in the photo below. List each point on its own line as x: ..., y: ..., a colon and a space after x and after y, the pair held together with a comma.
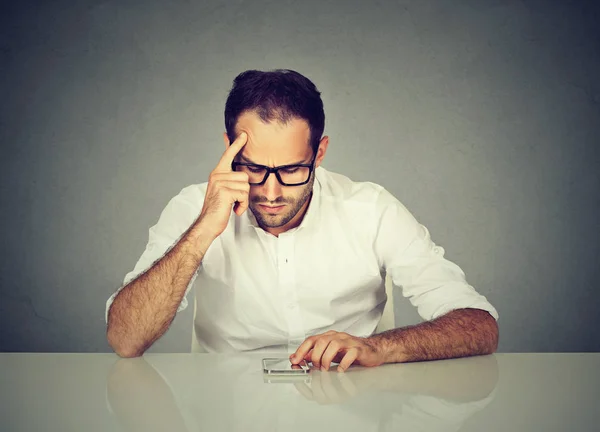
x: 143, y: 310
x: 459, y: 333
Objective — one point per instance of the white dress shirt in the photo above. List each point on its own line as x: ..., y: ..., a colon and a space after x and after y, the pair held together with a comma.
x: 255, y: 291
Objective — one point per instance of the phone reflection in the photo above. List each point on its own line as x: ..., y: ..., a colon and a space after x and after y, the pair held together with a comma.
x: 229, y: 393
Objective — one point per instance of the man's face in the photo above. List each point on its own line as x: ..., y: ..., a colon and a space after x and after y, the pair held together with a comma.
x: 277, y: 208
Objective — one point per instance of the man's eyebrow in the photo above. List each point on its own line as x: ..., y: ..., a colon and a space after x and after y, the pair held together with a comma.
x: 247, y: 160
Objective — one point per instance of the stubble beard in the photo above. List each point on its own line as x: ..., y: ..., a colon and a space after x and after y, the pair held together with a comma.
x: 276, y: 220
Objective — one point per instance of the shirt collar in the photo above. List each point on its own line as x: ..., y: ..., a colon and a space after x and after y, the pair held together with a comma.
x: 312, y: 211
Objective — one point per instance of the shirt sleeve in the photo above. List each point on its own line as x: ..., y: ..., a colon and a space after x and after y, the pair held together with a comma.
x: 432, y: 283
x: 181, y: 211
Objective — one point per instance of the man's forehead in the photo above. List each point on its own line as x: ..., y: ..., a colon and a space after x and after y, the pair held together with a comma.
x: 261, y: 133
x: 251, y: 119
x: 274, y: 143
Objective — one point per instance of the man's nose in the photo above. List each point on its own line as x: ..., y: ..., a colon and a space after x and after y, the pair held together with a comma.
x: 272, y: 187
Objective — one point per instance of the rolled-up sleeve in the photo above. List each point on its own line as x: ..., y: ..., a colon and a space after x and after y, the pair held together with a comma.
x: 178, y: 215
x: 432, y: 283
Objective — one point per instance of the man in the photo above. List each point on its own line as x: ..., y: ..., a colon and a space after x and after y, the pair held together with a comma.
x: 304, y: 267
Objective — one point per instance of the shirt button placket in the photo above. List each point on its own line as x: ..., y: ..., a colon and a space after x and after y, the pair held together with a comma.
x: 287, y: 283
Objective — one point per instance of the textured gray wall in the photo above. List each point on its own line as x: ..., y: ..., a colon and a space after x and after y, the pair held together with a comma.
x: 482, y: 117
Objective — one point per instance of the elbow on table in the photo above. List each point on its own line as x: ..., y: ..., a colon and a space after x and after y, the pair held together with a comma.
x: 122, y: 348
x: 495, y: 335
x: 128, y: 352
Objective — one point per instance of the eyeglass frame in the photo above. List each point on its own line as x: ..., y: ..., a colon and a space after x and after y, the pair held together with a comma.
x: 275, y: 170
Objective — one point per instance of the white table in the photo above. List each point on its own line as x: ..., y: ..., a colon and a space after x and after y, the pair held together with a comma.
x: 228, y: 392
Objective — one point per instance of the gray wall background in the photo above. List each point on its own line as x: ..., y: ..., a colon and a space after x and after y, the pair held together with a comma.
x: 482, y: 117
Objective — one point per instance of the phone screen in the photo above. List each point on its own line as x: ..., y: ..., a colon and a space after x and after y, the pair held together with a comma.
x: 284, y: 366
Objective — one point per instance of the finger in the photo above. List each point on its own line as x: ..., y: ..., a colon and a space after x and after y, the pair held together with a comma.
x: 240, y: 207
x: 234, y: 195
x: 339, y: 356
x: 306, y: 358
x: 302, y: 350
x: 235, y: 192
x: 318, y: 350
x: 348, y: 359
x: 231, y: 185
x: 334, y: 347
x: 238, y: 176
x: 224, y: 164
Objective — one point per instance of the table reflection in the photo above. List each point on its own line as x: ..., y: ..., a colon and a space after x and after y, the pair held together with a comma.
x: 230, y: 393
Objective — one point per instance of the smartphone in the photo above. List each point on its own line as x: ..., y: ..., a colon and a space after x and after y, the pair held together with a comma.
x: 287, y: 379
x: 283, y: 366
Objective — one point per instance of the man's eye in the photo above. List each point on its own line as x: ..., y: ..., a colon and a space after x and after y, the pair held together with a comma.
x: 290, y: 170
x: 254, y: 169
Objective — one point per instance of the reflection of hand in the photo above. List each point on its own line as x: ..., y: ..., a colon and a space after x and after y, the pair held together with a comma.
x: 338, y: 347
x: 458, y: 380
x: 330, y: 388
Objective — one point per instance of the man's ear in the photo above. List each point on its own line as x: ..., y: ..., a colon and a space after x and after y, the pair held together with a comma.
x: 226, y: 139
x: 321, y: 150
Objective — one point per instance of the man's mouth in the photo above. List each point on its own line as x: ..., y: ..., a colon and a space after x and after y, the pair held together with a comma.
x: 271, y: 209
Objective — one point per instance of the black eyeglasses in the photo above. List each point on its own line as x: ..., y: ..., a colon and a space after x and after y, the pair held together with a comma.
x: 287, y: 175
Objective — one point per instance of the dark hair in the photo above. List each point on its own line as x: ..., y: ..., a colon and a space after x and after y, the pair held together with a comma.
x: 281, y: 95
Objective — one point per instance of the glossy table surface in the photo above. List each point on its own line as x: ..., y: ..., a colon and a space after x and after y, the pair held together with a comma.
x: 229, y: 392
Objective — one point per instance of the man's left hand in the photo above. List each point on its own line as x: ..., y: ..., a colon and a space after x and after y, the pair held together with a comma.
x: 342, y: 348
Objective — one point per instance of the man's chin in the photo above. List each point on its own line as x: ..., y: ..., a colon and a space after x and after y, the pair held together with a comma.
x: 267, y: 220
x: 270, y: 221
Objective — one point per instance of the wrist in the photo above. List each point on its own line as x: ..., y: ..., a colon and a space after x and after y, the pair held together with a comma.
x: 379, y: 345
x: 200, y: 237
x: 389, y: 346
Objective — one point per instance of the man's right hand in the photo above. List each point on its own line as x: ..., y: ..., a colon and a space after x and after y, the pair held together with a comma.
x: 226, y: 188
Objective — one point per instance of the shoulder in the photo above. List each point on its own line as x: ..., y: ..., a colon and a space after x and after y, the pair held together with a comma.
x: 193, y: 191
x: 185, y: 205
x: 191, y: 196
x: 341, y: 189
x: 365, y: 198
